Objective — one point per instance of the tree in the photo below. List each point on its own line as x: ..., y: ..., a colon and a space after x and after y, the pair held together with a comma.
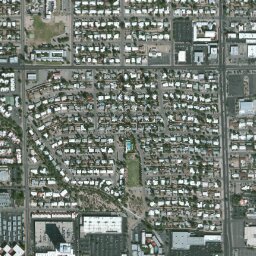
x: 235, y: 199
x: 122, y: 24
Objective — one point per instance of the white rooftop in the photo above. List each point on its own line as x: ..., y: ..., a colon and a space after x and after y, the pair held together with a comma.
x: 250, y: 236
x: 251, y: 51
x: 4, y: 175
x: 65, y: 250
x: 247, y: 107
x: 18, y: 251
x: 183, y: 240
x: 98, y: 224
x: 182, y: 56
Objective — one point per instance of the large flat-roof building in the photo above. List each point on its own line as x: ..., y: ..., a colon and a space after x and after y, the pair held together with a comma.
x: 251, y: 51
x: 48, y: 55
x: 247, y: 107
x: 4, y: 174
x: 234, y: 50
x: 182, y: 56
x: 5, y: 199
x: 203, y: 31
x: 247, y: 35
x: 183, y: 240
x: 50, y: 234
x: 31, y: 76
x: 103, y: 235
x: 250, y: 236
x: 101, y: 224
x: 65, y: 249
x: 198, y: 57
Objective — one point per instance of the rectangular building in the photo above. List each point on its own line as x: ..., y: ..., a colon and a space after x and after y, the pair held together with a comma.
x: 247, y: 107
x: 183, y: 240
x: 251, y: 51
x: 250, y: 236
x: 102, y: 225
x: 5, y: 200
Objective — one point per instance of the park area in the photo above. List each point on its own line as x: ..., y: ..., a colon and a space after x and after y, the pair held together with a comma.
x: 133, y: 166
x: 44, y: 32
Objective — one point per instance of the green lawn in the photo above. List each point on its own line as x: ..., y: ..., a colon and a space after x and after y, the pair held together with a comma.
x: 46, y: 31
x: 133, y: 166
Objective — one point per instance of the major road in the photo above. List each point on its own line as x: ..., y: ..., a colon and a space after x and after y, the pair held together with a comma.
x: 24, y: 137
x: 227, y: 238
x: 36, y: 67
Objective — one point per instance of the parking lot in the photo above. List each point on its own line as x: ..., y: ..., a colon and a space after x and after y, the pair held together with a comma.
x: 238, y: 236
x: 246, y: 252
x: 209, y: 249
x: 252, y: 84
x: 182, y: 30
x: 231, y: 102
x: 103, y: 245
x: 235, y: 85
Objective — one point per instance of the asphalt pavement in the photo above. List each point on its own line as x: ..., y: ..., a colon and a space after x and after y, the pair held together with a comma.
x: 227, y: 237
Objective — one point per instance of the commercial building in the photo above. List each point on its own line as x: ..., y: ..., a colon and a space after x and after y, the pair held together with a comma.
x: 3, y: 60
x: 13, y: 60
x: 213, y: 50
x: 183, y: 240
x: 31, y: 76
x: 247, y: 107
x: 182, y: 56
x: 50, y: 234
x: 250, y: 236
x: 64, y: 249
x: 234, y: 50
x: 203, y: 31
x: 247, y: 35
x: 4, y: 174
x: 101, y: 225
x: 251, y: 51
x: 54, y: 234
x: 49, y: 55
x: 198, y: 57
x: 5, y: 200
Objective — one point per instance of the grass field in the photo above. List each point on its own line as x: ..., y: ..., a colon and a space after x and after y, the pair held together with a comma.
x: 133, y: 166
x: 46, y: 31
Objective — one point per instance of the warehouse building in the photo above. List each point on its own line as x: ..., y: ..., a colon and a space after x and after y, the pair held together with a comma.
x: 183, y: 240
x: 65, y: 249
x: 247, y: 107
x: 101, y: 224
x: 250, y: 236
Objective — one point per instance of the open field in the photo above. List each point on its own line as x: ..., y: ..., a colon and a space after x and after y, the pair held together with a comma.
x: 133, y: 166
x: 44, y: 32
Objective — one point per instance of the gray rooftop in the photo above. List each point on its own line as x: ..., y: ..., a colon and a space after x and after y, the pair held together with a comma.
x: 183, y: 241
x: 5, y: 199
x: 247, y: 107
